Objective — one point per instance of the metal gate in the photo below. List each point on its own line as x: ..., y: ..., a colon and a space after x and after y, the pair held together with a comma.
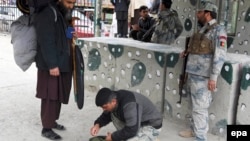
x: 8, y: 13
x: 84, y: 9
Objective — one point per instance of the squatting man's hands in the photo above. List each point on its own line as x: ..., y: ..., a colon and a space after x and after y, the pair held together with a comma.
x: 95, y: 129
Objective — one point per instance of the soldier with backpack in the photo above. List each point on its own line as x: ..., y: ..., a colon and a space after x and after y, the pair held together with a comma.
x: 54, y: 63
x: 168, y: 26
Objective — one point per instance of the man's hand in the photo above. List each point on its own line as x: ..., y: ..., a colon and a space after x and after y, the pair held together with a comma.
x: 183, y: 54
x: 211, y: 85
x: 54, y: 71
x: 135, y: 27
x: 94, y: 130
x: 108, y: 137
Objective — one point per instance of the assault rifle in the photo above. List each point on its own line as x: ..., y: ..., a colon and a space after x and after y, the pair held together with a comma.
x: 183, y: 75
x: 147, y: 36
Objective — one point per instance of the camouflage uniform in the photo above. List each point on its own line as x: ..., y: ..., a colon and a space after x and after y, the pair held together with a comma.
x: 201, y: 68
x: 168, y: 27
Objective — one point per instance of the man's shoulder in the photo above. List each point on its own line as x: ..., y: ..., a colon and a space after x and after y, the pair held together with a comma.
x: 48, y: 12
x: 125, y: 95
x: 221, y: 29
x: 173, y: 13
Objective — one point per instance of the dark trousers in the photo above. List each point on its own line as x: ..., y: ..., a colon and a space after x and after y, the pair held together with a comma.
x: 50, y: 112
x: 122, y: 23
x: 138, y: 35
x: 122, y: 27
x: 53, y: 91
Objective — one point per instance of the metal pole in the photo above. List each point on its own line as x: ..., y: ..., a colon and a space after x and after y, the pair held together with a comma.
x: 98, y: 11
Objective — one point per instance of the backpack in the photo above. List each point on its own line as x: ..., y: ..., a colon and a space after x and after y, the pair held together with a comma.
x: 23, y: 35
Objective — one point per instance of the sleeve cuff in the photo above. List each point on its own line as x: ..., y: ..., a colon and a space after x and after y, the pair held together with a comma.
x: 213, y: 77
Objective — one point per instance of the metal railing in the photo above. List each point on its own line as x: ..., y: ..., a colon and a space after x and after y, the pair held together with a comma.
x: 84, y: 9
x: 8, y: 13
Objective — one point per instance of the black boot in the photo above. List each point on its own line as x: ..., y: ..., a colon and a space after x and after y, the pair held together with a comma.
x: 59, y: 127
x: 50, y: 134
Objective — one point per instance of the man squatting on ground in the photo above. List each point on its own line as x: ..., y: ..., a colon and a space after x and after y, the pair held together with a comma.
x: 54, y: 64
x: 207, y: 51
x: 134, y: 116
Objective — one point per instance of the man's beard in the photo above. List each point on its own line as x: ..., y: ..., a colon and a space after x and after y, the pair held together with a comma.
x: 200, y: 24
x: 67, y: 13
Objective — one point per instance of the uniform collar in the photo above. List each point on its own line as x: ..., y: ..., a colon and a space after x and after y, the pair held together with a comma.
x: 206, y: 26
x: 213, y: 21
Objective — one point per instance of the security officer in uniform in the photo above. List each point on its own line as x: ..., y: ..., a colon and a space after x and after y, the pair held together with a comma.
x: 168, y: 25
x: 206, y: 54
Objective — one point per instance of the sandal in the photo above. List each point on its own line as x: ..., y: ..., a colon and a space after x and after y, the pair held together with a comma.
x: 59, y: 127
x: 50, y: 134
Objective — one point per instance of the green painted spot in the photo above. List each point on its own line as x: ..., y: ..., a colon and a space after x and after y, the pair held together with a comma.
x: 247, y: 16
x: 160, y: 58
x: 172, y: 59
x: 193, y: 2
x: 245, y: 80
x: 188, y: 24
x: 138, y: 73
x: 227, y: 72
x: 80, y: 43
x: 116, y: 50
x: 221, y: 124
x: 94, y: 60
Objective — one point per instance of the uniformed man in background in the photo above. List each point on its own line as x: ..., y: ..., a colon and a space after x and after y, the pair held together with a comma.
x: 206, y: 54
x: 168, y: 25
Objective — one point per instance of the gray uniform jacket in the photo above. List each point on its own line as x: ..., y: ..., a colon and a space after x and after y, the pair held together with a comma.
x: 209, y: 65
x: 135, y: 111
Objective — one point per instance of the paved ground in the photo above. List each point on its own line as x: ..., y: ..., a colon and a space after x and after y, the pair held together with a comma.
x: 19, y: 109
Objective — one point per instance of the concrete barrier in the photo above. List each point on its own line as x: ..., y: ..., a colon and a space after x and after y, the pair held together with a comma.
x: 154, y: 70
x: 243, y: 114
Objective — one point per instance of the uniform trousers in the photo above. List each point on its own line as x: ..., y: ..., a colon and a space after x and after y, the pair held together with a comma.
x: 201, y: 99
